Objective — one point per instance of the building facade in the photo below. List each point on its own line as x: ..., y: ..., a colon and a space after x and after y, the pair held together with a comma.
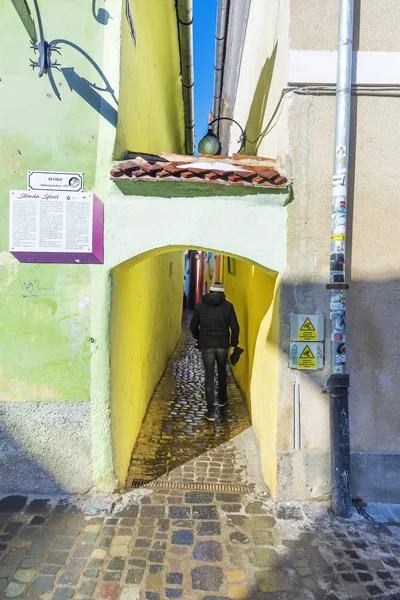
x: 273, y: 47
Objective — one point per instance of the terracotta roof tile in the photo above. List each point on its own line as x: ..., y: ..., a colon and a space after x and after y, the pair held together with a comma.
x: 241, y: 170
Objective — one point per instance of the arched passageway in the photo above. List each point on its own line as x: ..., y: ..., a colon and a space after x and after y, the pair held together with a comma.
x: 156, y: 405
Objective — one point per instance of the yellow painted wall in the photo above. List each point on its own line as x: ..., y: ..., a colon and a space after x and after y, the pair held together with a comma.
x: 150, y: 112
x: 255, y: 295
x: 146, y: 311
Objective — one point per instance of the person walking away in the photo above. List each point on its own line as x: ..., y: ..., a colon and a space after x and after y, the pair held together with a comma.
x: 215, y: 326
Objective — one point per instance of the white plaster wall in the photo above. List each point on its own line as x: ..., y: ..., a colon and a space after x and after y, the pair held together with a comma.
x: 249, y: 226
x: 267, y: 28
x: 314, y: 25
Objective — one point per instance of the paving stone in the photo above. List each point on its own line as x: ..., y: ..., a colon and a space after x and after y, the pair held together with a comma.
x: 64, y: 544
x: 179, y: 512
x: 142, y: 543
x: 5, y: 572
x: 231, y: 508
x: 263, y: 538
x: 186, y: 523
x: 83, y: 551
x: 112, y: 576
x: 37, y: 521
x: 116, y: 564
x: 263, y: 557
x: 24, y: 575
x: 207, y: 578
x: 39, y: 506
x: 237, y: 590
x: 365, y: 576
x: 137, y: 562
x: 41, y: 585
x: 69, y: 578
x: 28, y: 563
x: 152, y: 596
x: 87, y: 588
x: 91, y: 573
x: 205, y: 512
x: 67, y: 507
x: 12, y: 504
x: 256, y: 508
x: 39, y: 547
x: 58, y: 558
x: 374, y: 590
x: 155, y: 568
x: 210, y: 551
x: 63, y: 594
x: 134, y: 575
x: 228, y: 497
x: 174, y: 578
x: 156, y: 556
x: 199, y: 497
x: 109, y: 591
x: 130, y: 511
x: 208, y: 528
x: 50, y: 570
x: 183, y: 537
x: 173, y: 593
x: 238, y: 537
x: 152, y: 511
x: 14, y: 590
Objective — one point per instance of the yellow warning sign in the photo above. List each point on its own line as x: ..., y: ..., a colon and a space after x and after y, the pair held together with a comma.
x: 307, y: 359
x: 307, y: 331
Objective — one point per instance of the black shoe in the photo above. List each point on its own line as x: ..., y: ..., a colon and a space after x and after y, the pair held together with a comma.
x: 222, y: 403
x: 209, y: 416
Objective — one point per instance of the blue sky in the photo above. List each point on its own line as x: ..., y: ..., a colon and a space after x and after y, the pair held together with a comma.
x: 204, y: 14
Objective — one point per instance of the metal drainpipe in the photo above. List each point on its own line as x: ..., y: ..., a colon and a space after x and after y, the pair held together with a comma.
x: 220, y: 45
x: 339, y: 381
x: 185, y: 27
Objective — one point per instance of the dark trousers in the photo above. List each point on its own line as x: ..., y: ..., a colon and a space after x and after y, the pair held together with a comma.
x: 210, y: 357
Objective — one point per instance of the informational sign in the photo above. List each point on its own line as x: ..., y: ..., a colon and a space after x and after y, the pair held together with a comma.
x: 307, y: 328
x: 56, y: 227
x: 49, y: 180
x: 306, y: 355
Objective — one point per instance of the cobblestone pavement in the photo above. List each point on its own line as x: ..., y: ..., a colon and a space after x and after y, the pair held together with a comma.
x: 192, y: 545
x: 156, y: 544
x: 174, y: 430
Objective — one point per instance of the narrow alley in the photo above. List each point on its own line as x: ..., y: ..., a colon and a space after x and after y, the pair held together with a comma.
x: 177, y: 443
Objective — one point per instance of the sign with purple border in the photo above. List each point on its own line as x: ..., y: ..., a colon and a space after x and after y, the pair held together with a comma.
x: 56, y: 227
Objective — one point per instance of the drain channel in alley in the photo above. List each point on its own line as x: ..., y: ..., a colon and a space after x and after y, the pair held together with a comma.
x: 176, y: 443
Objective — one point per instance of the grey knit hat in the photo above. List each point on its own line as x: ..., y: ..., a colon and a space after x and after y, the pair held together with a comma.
x: 217, y: 287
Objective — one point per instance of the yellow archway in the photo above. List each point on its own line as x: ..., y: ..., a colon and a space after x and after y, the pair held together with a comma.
x: 145, y: 326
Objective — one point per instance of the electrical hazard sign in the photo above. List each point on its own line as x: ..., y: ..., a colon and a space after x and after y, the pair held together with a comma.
x: 307, y: 328
x: 306, y: 355
x: 307, y: 360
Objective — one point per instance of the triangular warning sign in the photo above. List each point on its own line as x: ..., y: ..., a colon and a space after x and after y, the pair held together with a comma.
x: 307, y: 353
x: 307, y: 326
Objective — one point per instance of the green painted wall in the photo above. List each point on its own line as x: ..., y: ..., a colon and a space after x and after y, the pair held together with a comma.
x: 146, y: 313
x: 45, y: 309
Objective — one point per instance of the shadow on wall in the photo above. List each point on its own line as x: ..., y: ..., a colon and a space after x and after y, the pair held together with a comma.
x: 89, y: 92
x: 45, y: 447
x: 19, y: 472
x: 257, y: 110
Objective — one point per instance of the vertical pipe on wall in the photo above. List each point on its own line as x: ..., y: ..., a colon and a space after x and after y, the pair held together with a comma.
x: 296, y: 410
x: 339, y: 380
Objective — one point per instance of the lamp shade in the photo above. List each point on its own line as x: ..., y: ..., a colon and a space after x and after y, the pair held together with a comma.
x: 209, y: 144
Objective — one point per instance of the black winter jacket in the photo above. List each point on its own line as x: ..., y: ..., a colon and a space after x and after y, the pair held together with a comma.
x: 214, y: 323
